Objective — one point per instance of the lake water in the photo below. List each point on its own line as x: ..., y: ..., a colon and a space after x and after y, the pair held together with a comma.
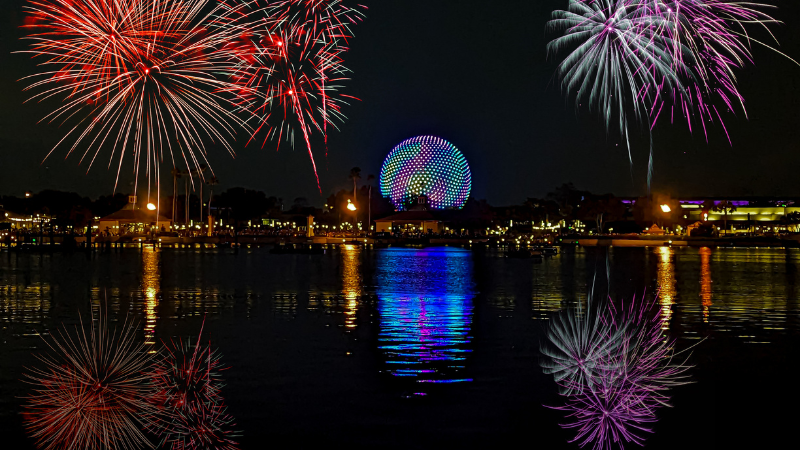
x: 422, y: 348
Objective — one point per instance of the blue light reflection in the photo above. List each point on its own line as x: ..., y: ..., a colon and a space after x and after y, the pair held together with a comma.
x: 425, y: 305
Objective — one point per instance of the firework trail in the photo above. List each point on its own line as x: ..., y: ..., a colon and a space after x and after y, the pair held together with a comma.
x: 291, y: 69
x: 632, y: 371
x: 145, y: 79
x: 92, y: 391
x: 634, y: 60
x: 192, y: 412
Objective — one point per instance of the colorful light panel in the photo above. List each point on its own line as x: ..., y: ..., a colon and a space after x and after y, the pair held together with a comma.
x: 430, y: 166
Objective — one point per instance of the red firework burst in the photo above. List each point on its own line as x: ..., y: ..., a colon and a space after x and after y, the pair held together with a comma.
x: 146, y: 77
x: 192, y: 412
x: 206, y: 429
x: 92, y: 392
x: 292, y: 68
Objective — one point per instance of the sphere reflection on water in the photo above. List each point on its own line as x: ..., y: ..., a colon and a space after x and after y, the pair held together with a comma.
x: 425, y: 306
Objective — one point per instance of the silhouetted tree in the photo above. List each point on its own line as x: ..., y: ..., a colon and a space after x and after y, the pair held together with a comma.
x: 355, y: 175
x: 600, y: 210
x: 725, y: 207
x: 244, y: 204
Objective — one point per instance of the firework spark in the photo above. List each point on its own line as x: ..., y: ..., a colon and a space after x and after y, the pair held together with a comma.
x: 145, y: 79
x: 188, y: 384
x: 630, y: 375
x: 92, y: 392
x: 710, y: 38
x: 620, y: 62
x: 205, y: 429
x: 638, y: 60
x: 579, y: 344
x: 292, y: 67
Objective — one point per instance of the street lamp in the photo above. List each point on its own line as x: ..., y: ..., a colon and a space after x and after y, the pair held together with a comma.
x: 151, y: 207
x: 666, y: 208
x: 352, y: 207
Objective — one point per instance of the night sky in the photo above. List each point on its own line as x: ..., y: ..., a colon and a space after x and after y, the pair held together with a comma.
x: 477, y: 74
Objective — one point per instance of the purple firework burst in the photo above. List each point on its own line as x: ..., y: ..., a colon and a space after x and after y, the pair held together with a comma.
x: 631, y: 377
x: 636, y: 61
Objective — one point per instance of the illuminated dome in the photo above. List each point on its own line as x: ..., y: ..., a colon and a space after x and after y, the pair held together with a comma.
x: 429, y: 166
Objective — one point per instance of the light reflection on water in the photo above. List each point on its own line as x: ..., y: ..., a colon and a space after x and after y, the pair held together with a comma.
x: 151, y: 287
x: 666, y: 284
x: 747, y: 293
x: 351, y: 282
x: 298, y: 330
x: 425, y: 306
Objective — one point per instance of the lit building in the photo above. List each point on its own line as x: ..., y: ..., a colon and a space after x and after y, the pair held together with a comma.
x: 11, y: 220
x: 132, y: 220
x: 409, y: 222
x: 743, y: 215
x: 755, y: 213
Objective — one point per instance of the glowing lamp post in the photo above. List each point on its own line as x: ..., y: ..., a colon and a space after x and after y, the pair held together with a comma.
x: 352, y: 207
x: 152, y: 207
x: 665, y: 210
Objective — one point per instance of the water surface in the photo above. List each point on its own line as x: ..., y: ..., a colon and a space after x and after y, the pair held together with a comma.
x: 421, y: 348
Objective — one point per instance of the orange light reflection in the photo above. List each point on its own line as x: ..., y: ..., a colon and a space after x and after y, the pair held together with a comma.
x: 151, y: 287
x: 351, y: 282
x: 666, y: 284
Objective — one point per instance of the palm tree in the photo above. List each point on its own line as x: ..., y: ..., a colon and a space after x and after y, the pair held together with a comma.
x: 213, y: 181
x: 355, y: 175
x: 176, y: 173
x: 186, y: 195
x: 198, y: 172
x: 369, y: 202
x: 725, y: 207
